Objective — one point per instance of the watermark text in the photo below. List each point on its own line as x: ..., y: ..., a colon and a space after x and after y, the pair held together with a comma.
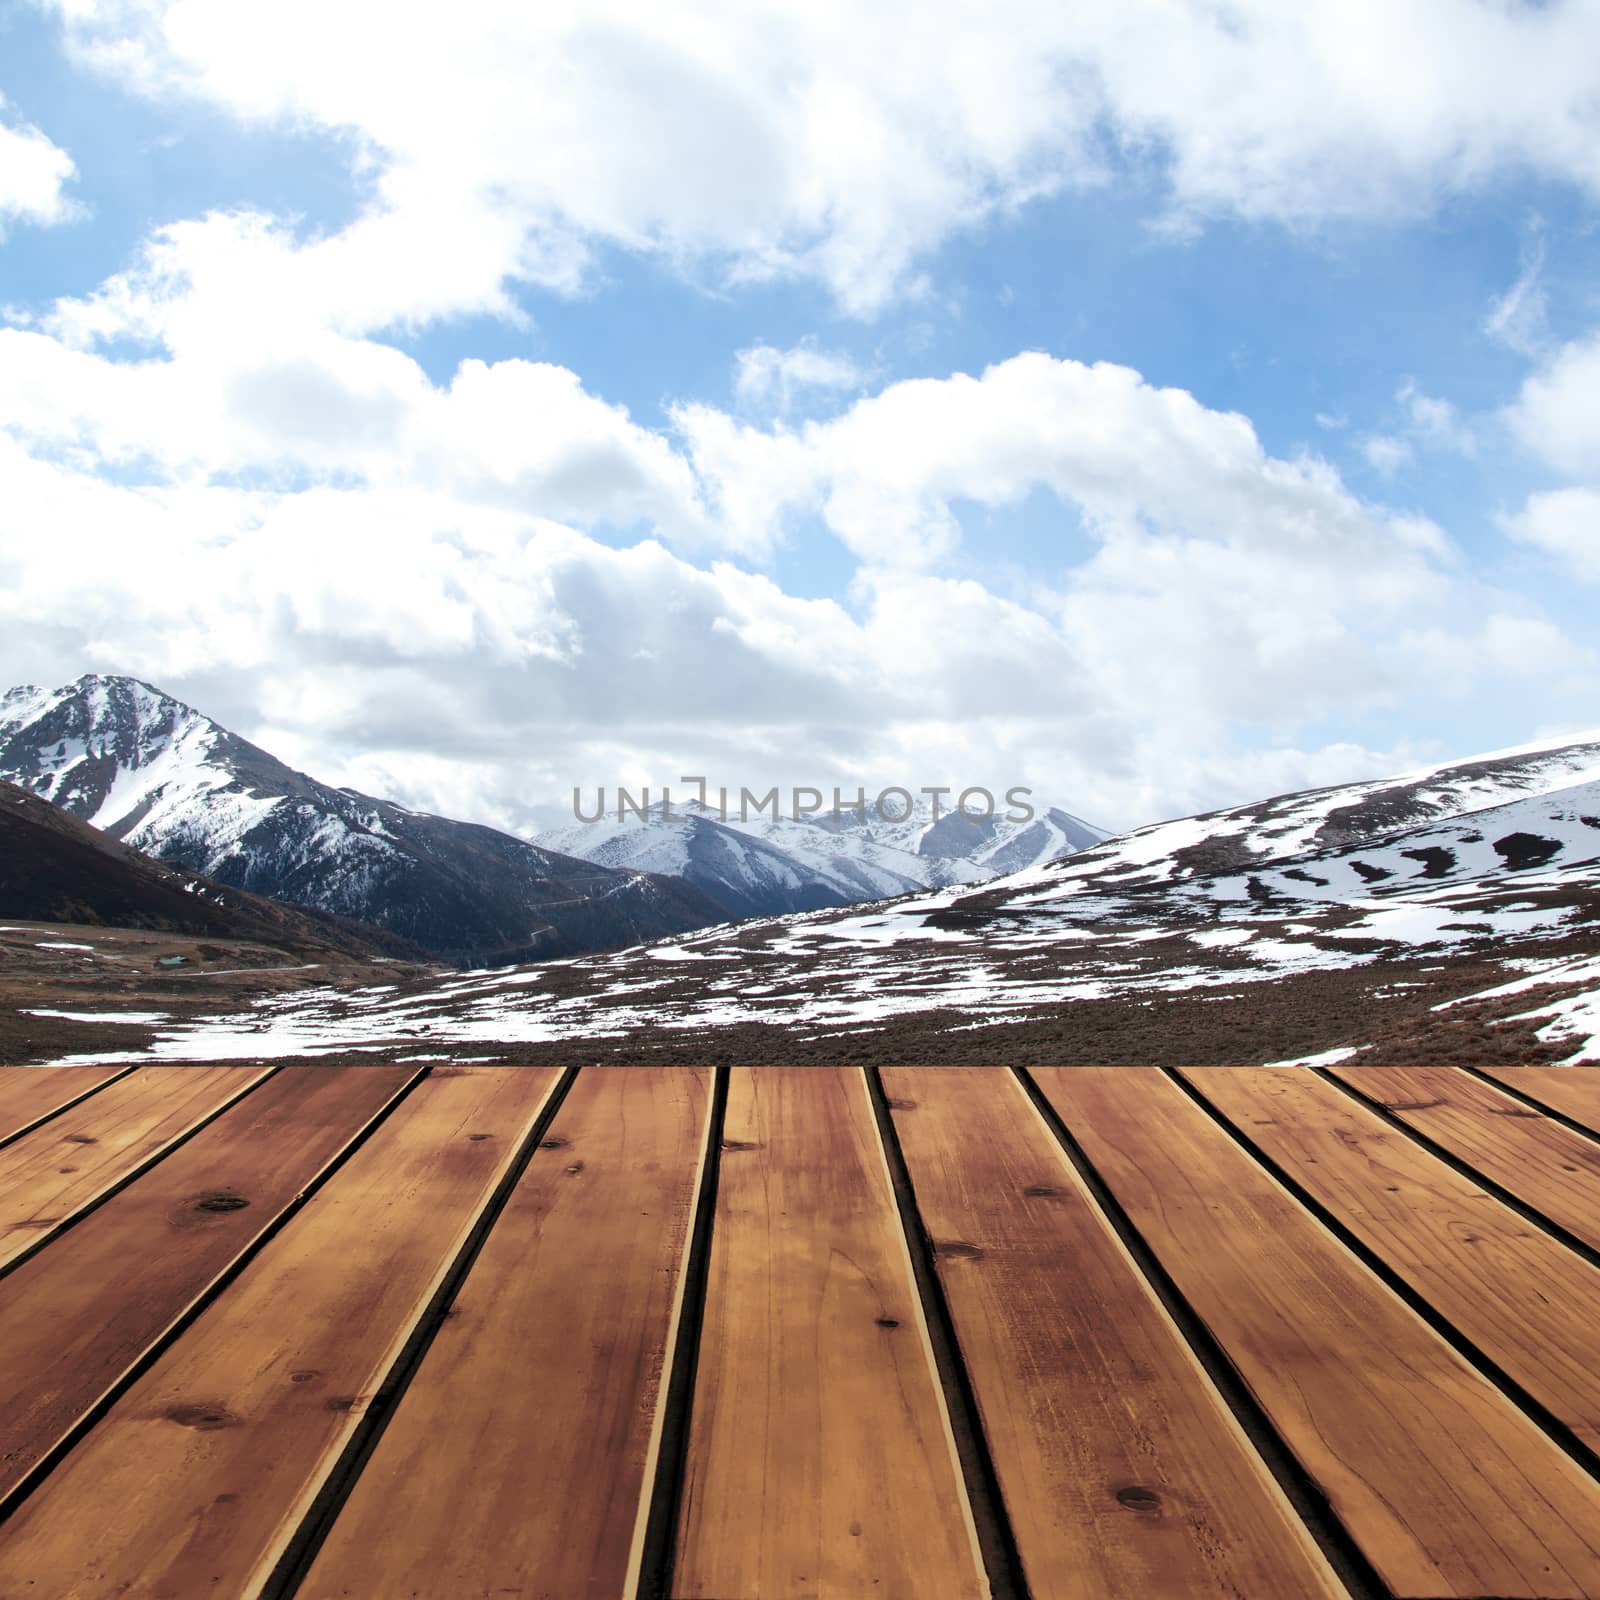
x: 894, y: 803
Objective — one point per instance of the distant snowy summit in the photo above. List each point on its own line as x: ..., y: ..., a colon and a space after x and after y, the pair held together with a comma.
x: 753, y: 863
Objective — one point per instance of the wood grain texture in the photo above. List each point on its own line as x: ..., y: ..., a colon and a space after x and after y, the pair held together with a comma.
x: 1522, y: 1297
x: 522, y: 1455
x: 51, y: 1174
x: 1573, y: 1091
x: 1448, y: 1488
x: 1122, y: 1468
x: 198, y: 1476
x: 1540, y: 1161
x: 75, y: 1318
x: 28, y: 1093
x: 821, y: 1462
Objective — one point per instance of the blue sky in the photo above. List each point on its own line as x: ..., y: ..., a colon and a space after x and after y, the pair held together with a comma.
x: 572, y: 401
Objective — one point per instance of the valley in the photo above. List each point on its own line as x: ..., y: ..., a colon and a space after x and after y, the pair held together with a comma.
x: 1447, y: 914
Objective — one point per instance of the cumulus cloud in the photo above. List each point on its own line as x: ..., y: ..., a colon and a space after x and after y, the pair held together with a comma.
x: 888, y: 475
x: 844, y: 145
x: 396, y: 620
x: 1556, y: 415
x: 1564, y: 523
x: 34, y: 174
x: 239, y: 373
x: 219, y: 475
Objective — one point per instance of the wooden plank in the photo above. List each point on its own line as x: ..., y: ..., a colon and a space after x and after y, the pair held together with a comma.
x: 821, y: 1461
x: 48, y: 1176
x: 1542, y: 1162
x: 1521, y: 1296
x: 1573, y: 1091
x: 560, y: 1335
x: 1122, y: 1468
x: 1448, y: 1488
x: 29, y: 1093
x: 75, y: 1318
x: 197, y: 1477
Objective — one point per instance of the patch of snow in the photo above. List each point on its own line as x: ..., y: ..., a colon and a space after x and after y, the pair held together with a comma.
x: 145, y: 1018
x: 1221, y: 938
x: 1328, y: 1058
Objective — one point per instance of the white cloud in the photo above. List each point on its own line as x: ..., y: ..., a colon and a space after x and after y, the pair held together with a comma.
x: 1557, y: 414
x: 1386, y: 454
x: 393, y: 599
x: 1515, y: 644
x: 270, y: 509
x: 34, y: 174
x: 1426, y: 423
x: 245, y: 370
x: 1518, y: 319
x: 764, y: 374
x: 1556, y: 417
x: 472, y: 656
x: 888, y: 475
x: 1564, y: 523
x: 843, y: 144
x: 1434, y: 422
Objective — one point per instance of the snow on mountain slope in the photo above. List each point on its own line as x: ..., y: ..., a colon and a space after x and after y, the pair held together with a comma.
x: 787, y: 864
x: 166, y: 780
x: 1131, y: 951
x: 1557, y: 829
x: 1560, y: 829
x: 741, y: 872
x: 930, y: 851
x: 56, y: 868
x: 128, y: 760
x: 1289, y: 827
x: 1100, y: 978
x: 1562, y: 996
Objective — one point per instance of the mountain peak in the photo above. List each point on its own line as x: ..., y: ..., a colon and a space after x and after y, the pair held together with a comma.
x: 756, y: 864
x: 162, y: 777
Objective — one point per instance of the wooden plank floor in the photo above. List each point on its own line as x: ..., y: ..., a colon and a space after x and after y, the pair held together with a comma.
x: 401, y: 1333
x: 602, y: 1218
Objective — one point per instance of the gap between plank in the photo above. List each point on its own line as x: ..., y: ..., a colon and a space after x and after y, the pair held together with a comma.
x: 1465, y: 1169
x: 77, y: 1099
x: 1537, y: 1412
x: 1303, y: 1492
x: 303, y: 1545
x: 202, y: 1301
x: 1571, y: 1124
x: 90, y: 1207
x: 656, y: 1539
x: 997, y: 1542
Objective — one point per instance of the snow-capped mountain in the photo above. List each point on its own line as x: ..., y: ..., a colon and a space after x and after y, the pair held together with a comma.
x: 755, y: 865
x: 931, y: 851
x: 1290, y: 829
x: 744, y: 874
x: 1449, y: 914
x: 56, y: 868
x: 1559, y: 829
x: 168, y: 781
